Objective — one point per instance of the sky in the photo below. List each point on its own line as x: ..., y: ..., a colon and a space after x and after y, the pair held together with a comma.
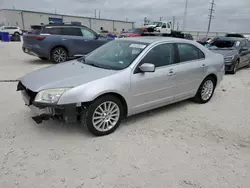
x: 229, y: 15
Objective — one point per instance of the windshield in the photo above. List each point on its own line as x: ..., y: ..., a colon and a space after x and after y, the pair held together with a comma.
x: 116, y: 55
x: 224, y: 44
x: 158, y: 24
x: 135, y: 31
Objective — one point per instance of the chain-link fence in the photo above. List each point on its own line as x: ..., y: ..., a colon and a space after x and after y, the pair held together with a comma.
x: 197, y: 35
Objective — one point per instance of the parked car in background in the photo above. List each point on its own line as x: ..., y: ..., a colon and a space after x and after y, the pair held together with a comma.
x: 12, y: 30
x: 236, y: 52
x: 35, y: 29
x: 188, y: 36
x: 121, y: 78
x: 136, y: 32
x: 60, y: 42
x: 235, y: 35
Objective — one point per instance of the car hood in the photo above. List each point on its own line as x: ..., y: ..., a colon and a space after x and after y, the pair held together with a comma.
x: 63, y: 75
x: 225, y: 52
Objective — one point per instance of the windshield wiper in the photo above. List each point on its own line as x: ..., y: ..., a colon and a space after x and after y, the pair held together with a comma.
x: 94, y: 65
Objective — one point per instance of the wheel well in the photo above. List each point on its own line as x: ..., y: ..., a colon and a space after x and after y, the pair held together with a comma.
x: 121, y: 98
x: 58, y: 46
x: 214, y: 77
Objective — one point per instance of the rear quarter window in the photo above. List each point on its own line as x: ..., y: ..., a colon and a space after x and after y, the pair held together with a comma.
x: 52, y: 30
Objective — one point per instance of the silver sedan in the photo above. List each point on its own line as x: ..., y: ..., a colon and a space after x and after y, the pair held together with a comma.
x: 122, y: 78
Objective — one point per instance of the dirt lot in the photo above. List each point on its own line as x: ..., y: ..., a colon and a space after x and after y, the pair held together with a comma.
x: 184, y: 145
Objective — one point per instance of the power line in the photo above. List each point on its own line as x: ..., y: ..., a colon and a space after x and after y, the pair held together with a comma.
x: 211, y: 11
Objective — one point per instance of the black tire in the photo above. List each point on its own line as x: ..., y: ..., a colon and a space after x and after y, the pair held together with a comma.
x: 88, y: 116
x: 235, y: 68
x: 16, y: 33
x: 43, y: 58
x: 56, y: 51
x: 198, y: 97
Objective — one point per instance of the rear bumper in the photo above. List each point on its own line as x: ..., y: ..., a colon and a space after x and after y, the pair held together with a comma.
x: 35, y: 51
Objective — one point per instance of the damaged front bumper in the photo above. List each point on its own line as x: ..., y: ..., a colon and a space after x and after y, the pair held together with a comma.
x: 68, y: 113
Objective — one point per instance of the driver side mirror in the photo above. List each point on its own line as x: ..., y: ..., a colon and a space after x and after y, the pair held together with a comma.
x: 244, y: 49
x: 147, y: 67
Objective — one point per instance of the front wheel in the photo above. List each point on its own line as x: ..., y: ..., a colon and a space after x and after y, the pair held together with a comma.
x: 235, y: 68
x: 205, y: 91
x: 104, y: 115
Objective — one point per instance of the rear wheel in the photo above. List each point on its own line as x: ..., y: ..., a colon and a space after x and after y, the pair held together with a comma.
x: 16, y: 33
x: 59, y: 55
x: 206, y: 90
x: 104, y: 115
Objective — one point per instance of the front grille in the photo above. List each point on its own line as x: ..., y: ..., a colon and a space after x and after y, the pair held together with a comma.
x: 30, y: 93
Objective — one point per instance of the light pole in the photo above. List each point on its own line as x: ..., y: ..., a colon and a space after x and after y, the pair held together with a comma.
x: 185, y: 16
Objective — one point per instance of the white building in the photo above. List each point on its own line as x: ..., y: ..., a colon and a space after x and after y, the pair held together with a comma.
x: 24, y: 19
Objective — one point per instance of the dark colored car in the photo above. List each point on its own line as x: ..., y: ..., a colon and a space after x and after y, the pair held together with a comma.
x: 236, y: 52
x: 235, y: 35
x: 188, y: 36
x: 60, y: 42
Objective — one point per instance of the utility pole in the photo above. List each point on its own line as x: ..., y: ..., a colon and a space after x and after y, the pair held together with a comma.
x: 173, y: 22
x: 211, y: 11
x: 185, y: 16
x: 95, y: 13
x: 177, y: 26
x: 160, y: 18
x: 99, y: 13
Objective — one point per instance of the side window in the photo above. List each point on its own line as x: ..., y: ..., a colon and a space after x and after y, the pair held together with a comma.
x: 248, y: 43
x: 52, y: 30
x: 87, y: 34
x: 161, y: 55
x: 71, y: 31
x: 189, y: 52
x: 243, y: 44
x: 169, y: 25
x: 164, y: 25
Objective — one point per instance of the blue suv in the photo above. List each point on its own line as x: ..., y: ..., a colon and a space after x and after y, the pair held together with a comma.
x: 60, y: 42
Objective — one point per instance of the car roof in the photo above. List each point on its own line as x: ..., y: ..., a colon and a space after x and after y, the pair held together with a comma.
x: 153, y: 39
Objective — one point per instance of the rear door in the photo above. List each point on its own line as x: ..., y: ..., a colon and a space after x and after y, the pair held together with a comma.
x: 192, y: 67
x: 73, y: 37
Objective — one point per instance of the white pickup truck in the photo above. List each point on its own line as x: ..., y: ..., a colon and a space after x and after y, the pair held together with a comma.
x: 161, y: 27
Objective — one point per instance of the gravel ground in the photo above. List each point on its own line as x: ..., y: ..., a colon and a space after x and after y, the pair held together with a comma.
x: 184, y: 145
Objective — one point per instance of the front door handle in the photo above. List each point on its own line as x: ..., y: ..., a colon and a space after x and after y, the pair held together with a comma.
x: 203, y: 66
x: 171, y: 72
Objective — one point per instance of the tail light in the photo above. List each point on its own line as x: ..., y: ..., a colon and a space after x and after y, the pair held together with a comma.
x: 35, y: 37
x: 40, y: 37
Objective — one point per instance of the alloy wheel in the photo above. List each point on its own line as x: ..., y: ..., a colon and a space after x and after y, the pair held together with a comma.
x: 59, y: 55
x: 207, y: 90
x: 106, y: 116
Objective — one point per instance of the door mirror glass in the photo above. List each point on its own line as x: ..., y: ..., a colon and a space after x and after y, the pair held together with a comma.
x: 244, y: 49
x: 147, y: 67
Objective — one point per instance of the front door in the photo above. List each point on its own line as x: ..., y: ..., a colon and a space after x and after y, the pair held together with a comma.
x: 153, y: 89
x: 244, y: 54
x: 191, y: 70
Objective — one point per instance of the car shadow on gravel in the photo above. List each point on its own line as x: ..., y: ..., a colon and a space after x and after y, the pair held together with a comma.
x: 39, y: 62
x: 59, y: 128
x: 158, y: 111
